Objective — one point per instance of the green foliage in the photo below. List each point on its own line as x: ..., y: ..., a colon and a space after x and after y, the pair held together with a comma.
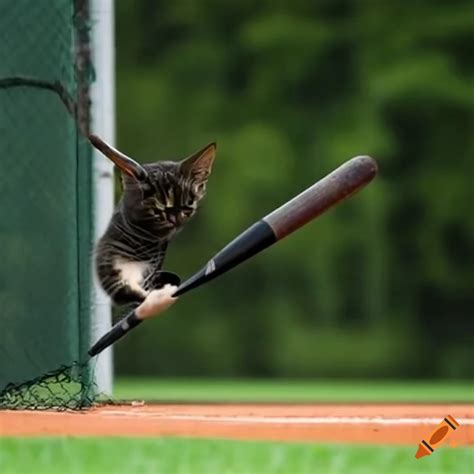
x: 382, y: 285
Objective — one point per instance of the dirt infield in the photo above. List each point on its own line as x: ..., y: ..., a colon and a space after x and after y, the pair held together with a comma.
x: 380, y: 424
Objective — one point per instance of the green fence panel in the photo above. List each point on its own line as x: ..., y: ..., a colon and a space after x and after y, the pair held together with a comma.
x: 45, y: 192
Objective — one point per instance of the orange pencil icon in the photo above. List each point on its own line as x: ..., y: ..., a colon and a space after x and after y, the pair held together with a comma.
x: 425, y: 448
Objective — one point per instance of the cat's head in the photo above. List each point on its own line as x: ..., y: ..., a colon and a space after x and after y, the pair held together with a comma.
x: 161, y: 197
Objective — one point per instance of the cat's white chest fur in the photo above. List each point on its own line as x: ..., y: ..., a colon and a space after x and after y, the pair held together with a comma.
x: 132, y: 273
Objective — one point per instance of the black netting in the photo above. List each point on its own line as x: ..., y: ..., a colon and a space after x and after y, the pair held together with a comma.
x: 65, y: 388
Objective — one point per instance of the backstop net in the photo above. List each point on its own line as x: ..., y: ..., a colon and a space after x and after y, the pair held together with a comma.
x: 45, y: 204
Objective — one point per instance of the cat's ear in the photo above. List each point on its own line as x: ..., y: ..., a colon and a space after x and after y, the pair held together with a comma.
x: 198, y: 166
x: 127, y: 165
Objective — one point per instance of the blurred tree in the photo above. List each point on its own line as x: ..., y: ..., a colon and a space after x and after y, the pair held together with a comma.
x: 381, y: 286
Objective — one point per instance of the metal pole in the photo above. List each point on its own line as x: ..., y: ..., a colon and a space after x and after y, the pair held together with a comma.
x: 103, y: 124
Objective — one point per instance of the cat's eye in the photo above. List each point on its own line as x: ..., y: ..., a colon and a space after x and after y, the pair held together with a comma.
x: 187, y: 210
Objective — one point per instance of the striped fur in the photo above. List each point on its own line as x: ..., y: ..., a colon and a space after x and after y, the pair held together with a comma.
x: 147, y: 217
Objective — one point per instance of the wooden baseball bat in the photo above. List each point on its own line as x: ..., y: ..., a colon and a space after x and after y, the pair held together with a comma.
x: 330, y: 190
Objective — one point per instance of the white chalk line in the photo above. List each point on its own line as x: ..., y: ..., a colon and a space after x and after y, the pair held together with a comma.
x: 286, y: 420
x: 328, y: 420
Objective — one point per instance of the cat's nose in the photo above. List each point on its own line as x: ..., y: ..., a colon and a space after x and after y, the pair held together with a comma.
x: 173, y: 218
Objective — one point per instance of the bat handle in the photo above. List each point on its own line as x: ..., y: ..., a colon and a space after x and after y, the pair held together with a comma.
x: 117, y: 332
x: 160, y: 279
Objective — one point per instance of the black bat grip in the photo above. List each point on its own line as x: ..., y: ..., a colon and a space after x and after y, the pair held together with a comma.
x: 256, y: 238
x: 117, y: 332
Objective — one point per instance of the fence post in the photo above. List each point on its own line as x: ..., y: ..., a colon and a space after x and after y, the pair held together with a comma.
x: 103, y: 124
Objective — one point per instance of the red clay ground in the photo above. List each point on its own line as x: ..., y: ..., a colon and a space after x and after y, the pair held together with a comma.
x: 384, y: 423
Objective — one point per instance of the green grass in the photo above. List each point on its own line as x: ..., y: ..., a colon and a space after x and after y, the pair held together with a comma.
x: 292, y: 391
x: 167, y: 456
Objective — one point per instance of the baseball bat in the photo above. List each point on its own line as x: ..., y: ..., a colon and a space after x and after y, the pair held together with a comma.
x: 330, y: 190
x: 314, y: 201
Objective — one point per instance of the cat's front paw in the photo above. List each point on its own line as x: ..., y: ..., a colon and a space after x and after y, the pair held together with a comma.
x: 156, y: 302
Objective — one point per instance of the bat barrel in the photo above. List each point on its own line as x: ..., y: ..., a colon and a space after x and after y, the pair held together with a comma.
x: 335, y: 187
x: 330, y: 190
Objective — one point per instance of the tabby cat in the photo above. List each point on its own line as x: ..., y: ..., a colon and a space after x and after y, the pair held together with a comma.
x: 158, y: 199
